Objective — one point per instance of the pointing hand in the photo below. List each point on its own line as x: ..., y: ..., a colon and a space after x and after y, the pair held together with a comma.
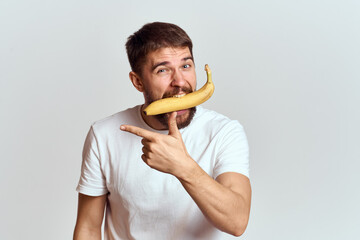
x: 165, y: 153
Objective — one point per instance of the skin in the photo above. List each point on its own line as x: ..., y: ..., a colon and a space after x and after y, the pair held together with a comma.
x: 166, y: 72
x: 89, y: 217
x: 224, y: 201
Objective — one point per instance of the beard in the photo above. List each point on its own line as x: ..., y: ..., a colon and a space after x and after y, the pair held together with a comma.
x: 182, y: 120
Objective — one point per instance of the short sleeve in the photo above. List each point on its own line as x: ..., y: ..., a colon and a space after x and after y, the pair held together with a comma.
x: 233, y: 150
x: 92, y: 181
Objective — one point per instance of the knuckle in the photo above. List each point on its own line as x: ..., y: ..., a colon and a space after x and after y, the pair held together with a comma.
x: 149, y: 146
x: 152, y: 147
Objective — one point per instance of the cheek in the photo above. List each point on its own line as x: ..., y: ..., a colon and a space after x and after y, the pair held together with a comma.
x: 190, y: 76
x: 158, y: 91
x: 192, y: 81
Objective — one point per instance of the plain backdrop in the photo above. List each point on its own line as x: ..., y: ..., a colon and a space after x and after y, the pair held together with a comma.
x: 287, y: 70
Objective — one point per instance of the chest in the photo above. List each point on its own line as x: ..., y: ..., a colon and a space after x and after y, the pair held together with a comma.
x: 129, y: 179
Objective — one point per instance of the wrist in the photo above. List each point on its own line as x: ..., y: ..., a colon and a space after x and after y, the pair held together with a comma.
x: 189, y: 172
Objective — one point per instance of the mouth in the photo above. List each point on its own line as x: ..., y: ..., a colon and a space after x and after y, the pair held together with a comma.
x: 179, y: 95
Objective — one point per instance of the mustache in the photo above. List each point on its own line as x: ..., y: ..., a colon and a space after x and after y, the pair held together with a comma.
x: 176, y: 91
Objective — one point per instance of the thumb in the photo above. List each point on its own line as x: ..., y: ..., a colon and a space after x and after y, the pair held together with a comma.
x: 173, y: 129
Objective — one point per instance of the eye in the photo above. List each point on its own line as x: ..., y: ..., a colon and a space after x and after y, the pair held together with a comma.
x: 161, y: 71
x: 187, y: 66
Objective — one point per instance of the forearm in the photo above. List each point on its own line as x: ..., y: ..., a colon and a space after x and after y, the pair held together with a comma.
x: 224, y: 208
x: 86, y: 234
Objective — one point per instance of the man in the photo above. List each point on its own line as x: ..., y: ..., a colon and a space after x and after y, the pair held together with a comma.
x: 180, y: 175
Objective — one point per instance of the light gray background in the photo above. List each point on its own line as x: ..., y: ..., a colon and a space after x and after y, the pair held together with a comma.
x: 287, y: 70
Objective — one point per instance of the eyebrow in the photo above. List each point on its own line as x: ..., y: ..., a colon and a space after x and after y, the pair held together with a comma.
x: 167, y: 62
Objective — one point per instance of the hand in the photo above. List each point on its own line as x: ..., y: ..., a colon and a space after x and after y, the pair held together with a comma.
x: 165, y: 153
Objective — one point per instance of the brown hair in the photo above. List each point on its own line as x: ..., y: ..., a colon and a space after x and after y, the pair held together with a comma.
x: 151, y: 37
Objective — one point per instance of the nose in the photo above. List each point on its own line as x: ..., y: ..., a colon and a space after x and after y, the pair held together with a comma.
x: 178, y: 79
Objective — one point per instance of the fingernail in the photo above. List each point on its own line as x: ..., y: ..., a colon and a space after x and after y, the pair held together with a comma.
x: 122, y: 127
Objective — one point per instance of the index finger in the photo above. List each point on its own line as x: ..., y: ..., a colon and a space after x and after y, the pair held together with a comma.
x: 138, y: 131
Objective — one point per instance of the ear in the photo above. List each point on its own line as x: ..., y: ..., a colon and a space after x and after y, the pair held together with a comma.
x: 136, y: 81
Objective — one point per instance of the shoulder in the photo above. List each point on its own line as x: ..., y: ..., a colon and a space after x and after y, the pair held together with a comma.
x: 214, y: 121
x: 210, y: 125
x: 113, y: 122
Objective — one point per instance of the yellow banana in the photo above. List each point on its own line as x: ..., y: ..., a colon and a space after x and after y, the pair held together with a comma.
x: 190, y: 100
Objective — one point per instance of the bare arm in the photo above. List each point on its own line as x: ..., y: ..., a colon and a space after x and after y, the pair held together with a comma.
x: 89, y: 218
x: 225, y: 202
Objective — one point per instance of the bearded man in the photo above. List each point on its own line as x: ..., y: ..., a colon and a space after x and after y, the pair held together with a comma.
x: 179, y: 175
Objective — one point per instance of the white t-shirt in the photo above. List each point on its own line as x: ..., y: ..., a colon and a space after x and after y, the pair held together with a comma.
x: 144, y: 203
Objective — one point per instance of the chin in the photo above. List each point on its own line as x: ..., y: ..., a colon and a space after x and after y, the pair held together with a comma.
x: 182, y: 120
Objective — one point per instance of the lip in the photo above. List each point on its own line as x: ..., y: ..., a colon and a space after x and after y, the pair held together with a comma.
x: 181, y: 112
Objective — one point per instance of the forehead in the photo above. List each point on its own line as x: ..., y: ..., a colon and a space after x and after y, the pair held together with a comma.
x: 167, y: 54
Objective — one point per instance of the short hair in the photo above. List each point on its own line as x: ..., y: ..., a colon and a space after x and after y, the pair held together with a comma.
x: 151, y: 37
